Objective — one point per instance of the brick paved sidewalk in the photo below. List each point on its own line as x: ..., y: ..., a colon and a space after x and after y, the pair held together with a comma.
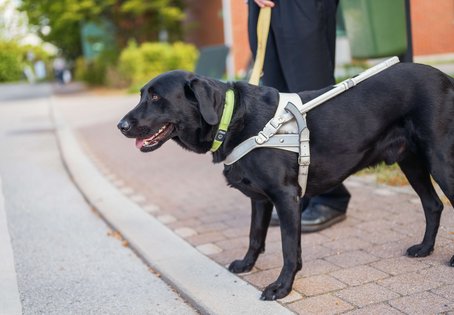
x: 355, y: 267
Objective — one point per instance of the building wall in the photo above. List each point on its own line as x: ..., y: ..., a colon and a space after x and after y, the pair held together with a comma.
x: 241, y: 50
x: 204, y: 27
x: 204, y: 24
x: 432, y: 26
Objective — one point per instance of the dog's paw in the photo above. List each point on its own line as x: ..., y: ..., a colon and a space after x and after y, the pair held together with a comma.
x: 420, y: 250
x: 451, y: 262
x: 275, y: 290
x: 239, y: 266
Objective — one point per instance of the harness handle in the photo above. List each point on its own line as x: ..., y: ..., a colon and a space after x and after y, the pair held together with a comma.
x: 263, y: 27
x: 341, y: 87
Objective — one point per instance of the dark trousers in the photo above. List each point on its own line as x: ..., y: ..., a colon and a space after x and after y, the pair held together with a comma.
x: 300, y: 56
x: 301, y: 44
x: 336, y: 198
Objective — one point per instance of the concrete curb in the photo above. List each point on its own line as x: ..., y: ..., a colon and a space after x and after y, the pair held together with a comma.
x: 210, y: 287
x: 9, y: 292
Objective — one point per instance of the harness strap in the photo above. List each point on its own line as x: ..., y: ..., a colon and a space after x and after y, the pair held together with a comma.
x: 288, y: 142
x: 304, y: 158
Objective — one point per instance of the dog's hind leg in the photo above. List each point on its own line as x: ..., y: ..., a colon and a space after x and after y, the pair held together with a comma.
x: 443, y: 173
x: 418, y: 176
x: 260, y: 220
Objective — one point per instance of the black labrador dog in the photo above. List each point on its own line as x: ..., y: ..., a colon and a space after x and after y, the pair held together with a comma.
x: 404, y: 114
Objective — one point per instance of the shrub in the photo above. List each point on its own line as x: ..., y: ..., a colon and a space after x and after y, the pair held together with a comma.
x: 12, y: 58
x: 139, y: 64
x: 95, y: 72
x: 129, y: 62
x: 92, y: 72
x: 10, y: 66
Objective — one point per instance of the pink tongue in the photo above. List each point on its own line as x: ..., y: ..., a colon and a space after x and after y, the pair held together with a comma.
x: 139, y: 143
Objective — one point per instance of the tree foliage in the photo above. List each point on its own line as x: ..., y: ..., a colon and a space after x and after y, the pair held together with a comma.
x: 59, y: 22
x: 13, y: 25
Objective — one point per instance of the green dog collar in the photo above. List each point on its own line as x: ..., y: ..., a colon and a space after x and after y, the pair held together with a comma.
x: 225, y: 120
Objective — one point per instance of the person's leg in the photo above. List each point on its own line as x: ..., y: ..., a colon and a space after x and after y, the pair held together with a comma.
x: 336, y: 198
x: 300, y: 56
x: 305, y: 34
x: 328, y: 208
x: 272, y: 70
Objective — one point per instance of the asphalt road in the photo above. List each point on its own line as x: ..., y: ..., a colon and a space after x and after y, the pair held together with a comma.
x: 67, y: 260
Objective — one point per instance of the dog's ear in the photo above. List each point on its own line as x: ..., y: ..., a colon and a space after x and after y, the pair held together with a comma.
x: 207, y: 97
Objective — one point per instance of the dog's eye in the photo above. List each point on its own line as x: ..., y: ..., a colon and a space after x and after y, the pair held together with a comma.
x: 154, y: 97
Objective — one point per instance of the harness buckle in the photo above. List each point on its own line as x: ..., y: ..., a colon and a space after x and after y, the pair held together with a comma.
x: 268, y: 131
x: 261, y: 138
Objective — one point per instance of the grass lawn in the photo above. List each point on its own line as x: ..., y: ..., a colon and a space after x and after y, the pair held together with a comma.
x: 393, y: 176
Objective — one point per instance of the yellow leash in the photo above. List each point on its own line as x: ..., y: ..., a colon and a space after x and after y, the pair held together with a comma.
x: 263, y: 27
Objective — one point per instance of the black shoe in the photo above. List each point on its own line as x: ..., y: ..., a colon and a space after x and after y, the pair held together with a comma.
x: 318, y: 217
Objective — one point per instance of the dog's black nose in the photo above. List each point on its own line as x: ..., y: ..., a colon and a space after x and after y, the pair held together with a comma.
x: 124, y: 125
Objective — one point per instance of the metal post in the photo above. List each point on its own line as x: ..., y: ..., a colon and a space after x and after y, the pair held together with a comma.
x: 408, y: 56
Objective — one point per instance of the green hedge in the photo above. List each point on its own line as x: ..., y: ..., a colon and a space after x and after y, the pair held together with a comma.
x: 136, y: 65
x: 11, y: 58
x: 95, y: 72
x: 139, y: 64
x: 10, y: 67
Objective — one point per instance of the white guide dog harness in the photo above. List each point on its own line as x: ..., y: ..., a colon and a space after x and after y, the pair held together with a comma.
x: 287, y: 130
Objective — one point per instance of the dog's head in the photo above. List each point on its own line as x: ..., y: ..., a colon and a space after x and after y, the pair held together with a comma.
x: 175, y: 105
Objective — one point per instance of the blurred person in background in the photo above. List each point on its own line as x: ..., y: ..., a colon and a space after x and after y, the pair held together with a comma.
x: 61, y: 72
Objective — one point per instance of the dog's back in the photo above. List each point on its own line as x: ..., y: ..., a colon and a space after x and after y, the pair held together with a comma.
x: 409, y: 107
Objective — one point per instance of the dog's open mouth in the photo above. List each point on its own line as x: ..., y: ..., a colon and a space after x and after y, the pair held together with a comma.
x: 150, y: 143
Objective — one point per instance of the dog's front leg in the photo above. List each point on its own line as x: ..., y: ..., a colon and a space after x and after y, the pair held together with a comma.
x: 260, y: 220
x: 287, y: 206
